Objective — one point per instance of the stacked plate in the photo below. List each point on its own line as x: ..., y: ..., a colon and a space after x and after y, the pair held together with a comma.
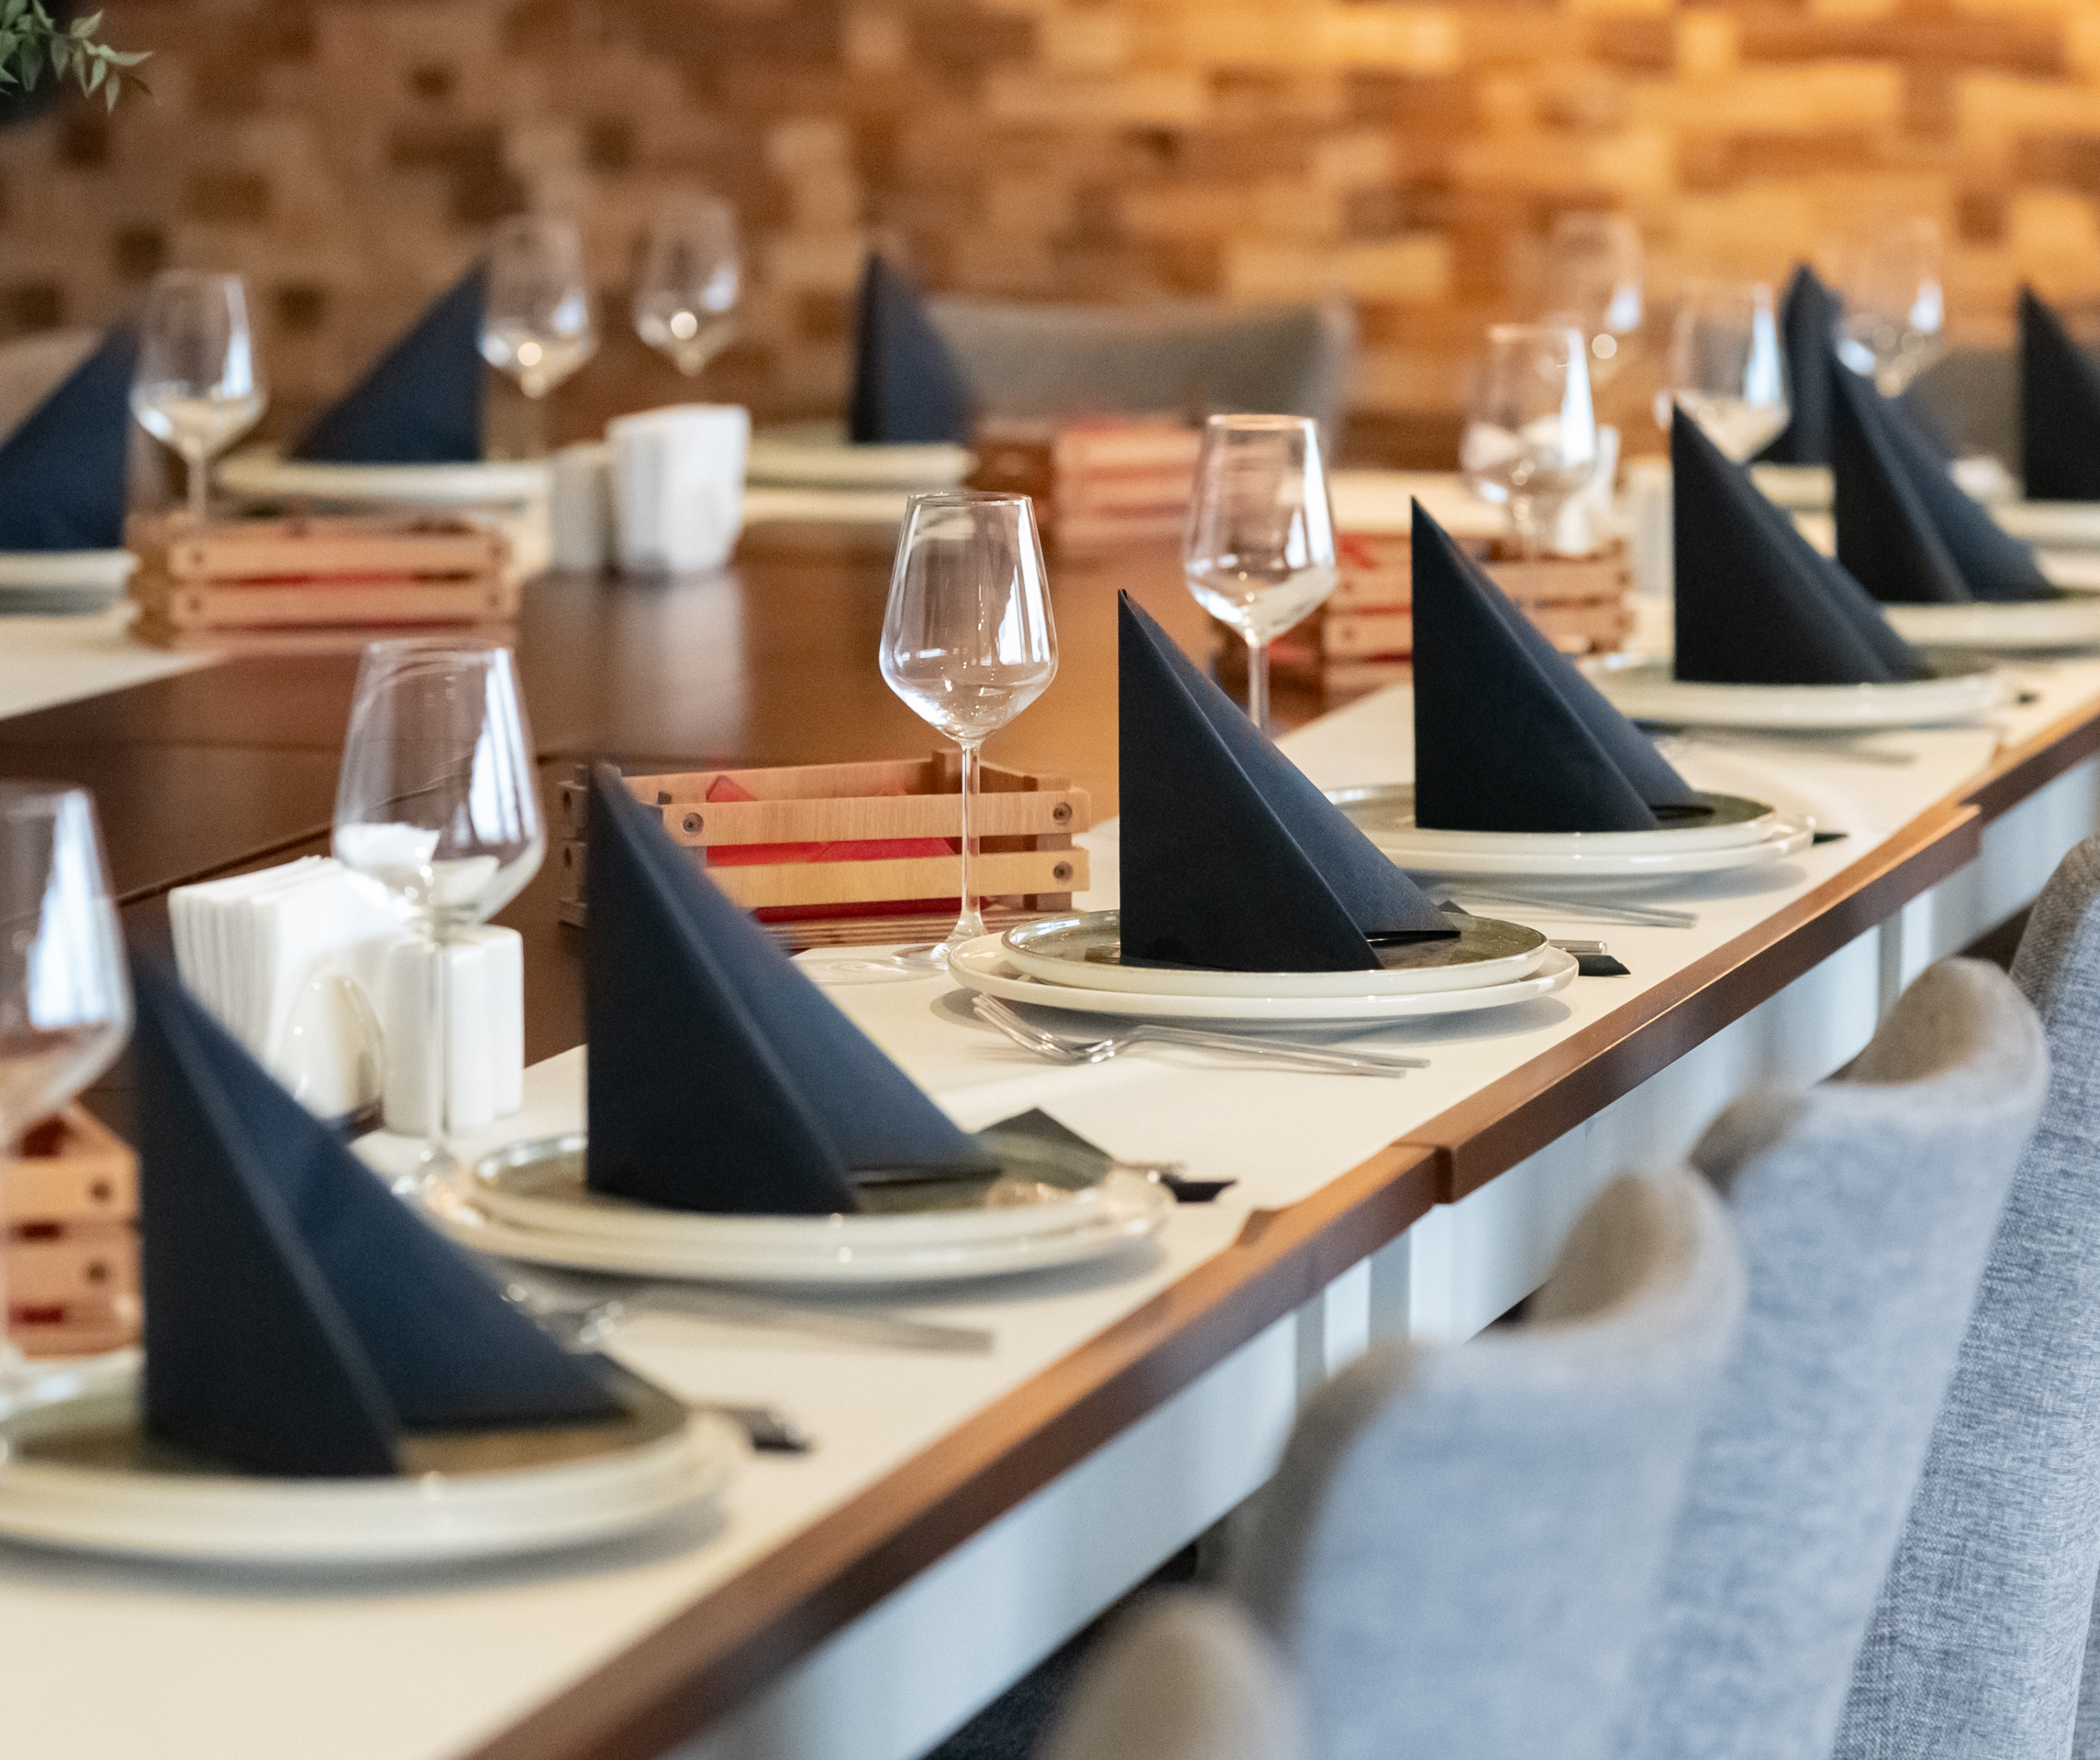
x: 810, y: 471
x: 262, y: 475
x: 1076, y: 963
x: 62, y: 583
x: 79, y: 1470
x: 1732, y: 832
x: 1962, y: 687
x: 1043, y: 1205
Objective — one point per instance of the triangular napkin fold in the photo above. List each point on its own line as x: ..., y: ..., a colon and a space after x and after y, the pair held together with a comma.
x: 1905, y: 531
x: 721, y: 1079
x: 62, y: 472
x: 1756, y: 604
x: 421, y: 402
x: 1508, y: 736
x: 1808, y: 314
x: 299, y: 1316
x: 908, y: 388
x: 2059, y: 409
x: 1232, y: 859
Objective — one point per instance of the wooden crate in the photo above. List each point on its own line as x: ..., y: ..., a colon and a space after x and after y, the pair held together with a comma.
x: 294, y: 584
x: 70, y: 1198
x: 1101, y: 483
x: 812, y: 850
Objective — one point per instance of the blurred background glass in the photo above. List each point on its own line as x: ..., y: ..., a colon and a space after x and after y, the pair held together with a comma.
x: 1530, y: 439
x: 1894, y: 324
x: 691, y: 278
x: 1591, y: 283
x: 198, y: 386
x: 1726, y: 370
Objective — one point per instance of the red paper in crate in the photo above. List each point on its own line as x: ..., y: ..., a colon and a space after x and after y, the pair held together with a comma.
x: 869, y: 849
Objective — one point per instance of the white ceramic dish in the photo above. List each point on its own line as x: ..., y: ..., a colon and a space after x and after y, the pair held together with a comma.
x: 983, y: 965
x: 1644, y: 691
x: 2072, y: 622
x: 2069, y: 525
x: 818, y: 455
x: 1810, y: 488
x: 73, y: 1474
x: 1083, y: 952
x: 539, y: 1184
x: 765, y: 504
x: 63, y: 582
x: 832, y: 1251
x: 490, y: 482
x: 1754, y: 834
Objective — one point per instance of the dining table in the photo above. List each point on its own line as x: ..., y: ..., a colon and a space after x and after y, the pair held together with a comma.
x: 961, y: 1515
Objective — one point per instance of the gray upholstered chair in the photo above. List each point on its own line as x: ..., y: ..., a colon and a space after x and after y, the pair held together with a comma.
x: 1456, y: 1553
x: 1181, y: 355
x: 1867, y: 1207
x: 1187, y: 1676
x: 1970, y: 397
x: 1976, y: 1644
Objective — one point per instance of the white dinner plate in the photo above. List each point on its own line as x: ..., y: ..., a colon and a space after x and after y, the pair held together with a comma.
x: 1041, y: 1189
x: 983, y: 965
x: 77, y: 1472
x: 1085, y: 951
x: 2072, y: 621
x: 488, y: 482
x: 1966, y: 690
x: 2068, y: 524
x: 834, y: 1251
x: 1810, y: 488
x: 1385, y: 812
x: 46, y: 582
x: 765, y: 504
x: 818, y: 455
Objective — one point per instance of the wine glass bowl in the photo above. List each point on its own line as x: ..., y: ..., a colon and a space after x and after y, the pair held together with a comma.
x: 198, y: 386
x: 1258, y: 552
x: 1727, y: 370
x: 537, y: 325
x: 437, y: 804
x: 1892, y: 323
x: 1530, y: 440
x: 968, y: 639
x: 1592, y: 283
x: 691, y: 278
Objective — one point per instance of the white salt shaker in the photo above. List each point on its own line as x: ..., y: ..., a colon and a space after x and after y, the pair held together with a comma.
x: 579, y: 512
x: 486, y: 1017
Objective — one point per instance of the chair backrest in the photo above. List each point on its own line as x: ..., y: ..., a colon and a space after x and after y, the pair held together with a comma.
x: 1977, y: 1640
x: 1866, y: 1207
x: 1065, y: 360
x: 1460, y: 1547
x: 1970, y: 397
x: 32, y: 366
x: 1185, y: 1675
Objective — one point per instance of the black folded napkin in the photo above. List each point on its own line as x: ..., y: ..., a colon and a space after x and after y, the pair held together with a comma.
x: 1756, y: 604
x: 62, y: 471
x: 908, y: 388
x: 1232, y: 859
x: 1906, y: 532
x: 2059, y: 409
x: 299, y: 1316
x: 421, y: 402
x: 721, y: 1079
x: 1508, y: 736
x: 1808, y: 316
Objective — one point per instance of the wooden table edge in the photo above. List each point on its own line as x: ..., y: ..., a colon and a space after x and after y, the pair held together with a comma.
x: 713, y: 1655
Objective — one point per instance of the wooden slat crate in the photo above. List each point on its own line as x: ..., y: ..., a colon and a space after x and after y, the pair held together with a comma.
x: 277, y: 585
x: 1101, y: 483
x: 70, y: 1198
x: 812, y: 850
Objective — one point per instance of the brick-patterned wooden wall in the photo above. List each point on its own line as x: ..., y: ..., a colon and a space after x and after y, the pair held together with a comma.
x: 347, y: 155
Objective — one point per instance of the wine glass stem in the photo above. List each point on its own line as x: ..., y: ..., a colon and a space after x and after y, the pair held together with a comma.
x: 1523, y: 517
x: 970, y: 925
x: 1258, y: 683
x: 200, y: 483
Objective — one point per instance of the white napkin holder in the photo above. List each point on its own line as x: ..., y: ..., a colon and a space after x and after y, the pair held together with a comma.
x: 677, y: 486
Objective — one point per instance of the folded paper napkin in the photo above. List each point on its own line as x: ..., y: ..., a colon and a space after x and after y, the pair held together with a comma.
x: 62, y: 470
x: 1808, y: 327
x: 1508, y: 736
x: 1906, y: 531
x: 1756, y: 604
x: 1232, y: 859
x: 421, y: 402
x: 2059, y: 409
x: 908, y: 387
x: 720, y: 1078
x: 299, y: 1317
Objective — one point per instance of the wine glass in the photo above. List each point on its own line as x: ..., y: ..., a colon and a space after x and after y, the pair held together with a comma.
x: 1531, y: 435
x: 198, y: 386
x: 65, y: 1001
x: 684, y: 300
x: 1259, y: 550
x: 968, y: 640
x: 1593, y: 284
x: 1727, y: 371
x: 439, y: 804
x: 1893, y: 324
x: 537, y: 325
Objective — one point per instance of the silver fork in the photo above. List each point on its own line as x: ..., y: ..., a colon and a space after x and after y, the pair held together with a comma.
x: 1079, y: 1048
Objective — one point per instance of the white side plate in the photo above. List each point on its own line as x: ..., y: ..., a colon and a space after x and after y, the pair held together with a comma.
x: 2009, y: 627
x: 1385, y: 812
x: 1646, y: 691
x: 818, y: 455
x: 2071, y: 525
x: 982, y: 965
x: 264, y: 475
